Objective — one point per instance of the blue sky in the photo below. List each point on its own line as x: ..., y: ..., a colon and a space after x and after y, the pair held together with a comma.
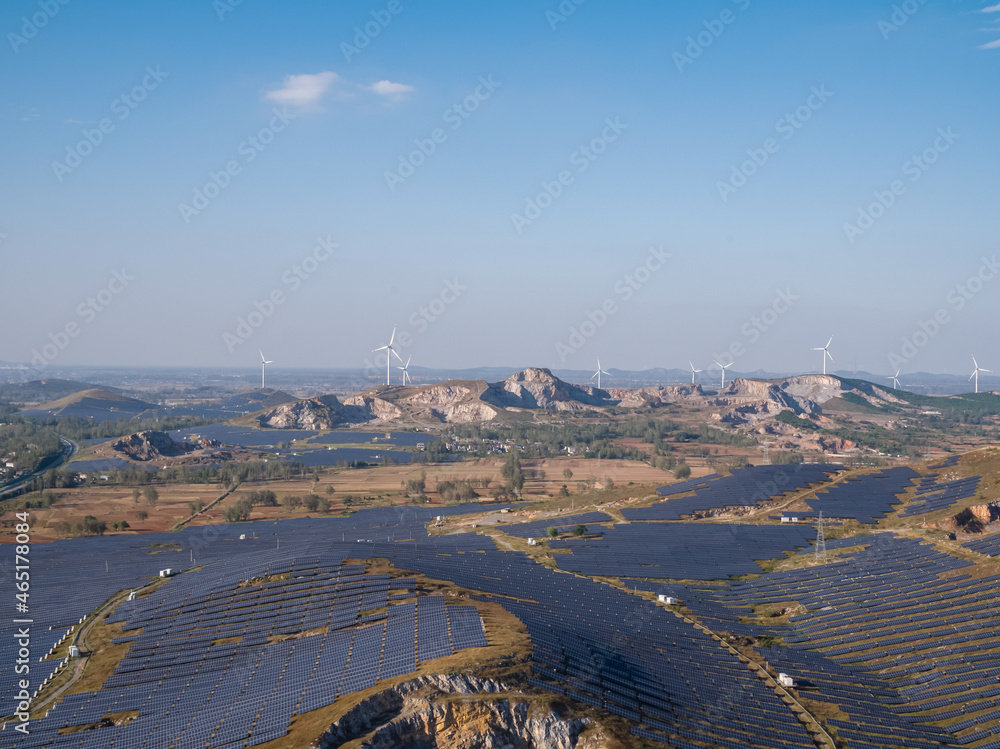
x: 749, y: 141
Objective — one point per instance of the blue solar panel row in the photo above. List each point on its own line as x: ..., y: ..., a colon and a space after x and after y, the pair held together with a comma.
x: 865, y: 498
x: 744, y: 487
x: 680, y: 551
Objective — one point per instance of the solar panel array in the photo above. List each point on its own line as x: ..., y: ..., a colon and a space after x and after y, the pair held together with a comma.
x: 680, y: 551
x: 231, y: 653
x: 990, y: 546
x: 898, y: 636
x: 947, y: 463
x: 931, y: 496
x: 70, y: 579
x: 610, y: 649
x: 226, y: 655
x: 746, y: 486
x: 866, y: 498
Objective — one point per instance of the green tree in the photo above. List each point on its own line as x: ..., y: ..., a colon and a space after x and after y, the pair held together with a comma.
x: 682, y: 471
x: 553, y: 532
x: 579, y: 530
x: 512, y: 472
x: 152, y: 496
x: 567, y: 474
x: 142, y: 515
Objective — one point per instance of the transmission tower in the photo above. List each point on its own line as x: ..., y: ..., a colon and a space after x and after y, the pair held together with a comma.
x: 820, y: 541
x: 767, y: 457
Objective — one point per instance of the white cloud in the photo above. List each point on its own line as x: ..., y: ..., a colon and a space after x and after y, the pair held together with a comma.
x: 303, y: 90
x: 991, y: 9
x: 394, y: 91
x: 990, y: 45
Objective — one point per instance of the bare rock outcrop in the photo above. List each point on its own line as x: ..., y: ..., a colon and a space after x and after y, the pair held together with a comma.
x: 372, y: 407
x: 152, y: 445
x: 539, y: 388
x: 324, y: 412
x: 412, y: 715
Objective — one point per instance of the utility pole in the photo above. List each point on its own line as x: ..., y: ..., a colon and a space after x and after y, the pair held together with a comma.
x: 820, y: 541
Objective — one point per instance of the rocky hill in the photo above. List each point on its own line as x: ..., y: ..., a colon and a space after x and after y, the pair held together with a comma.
x: 539, y: 388
x: 154, y: 445
x: 324, y: 412
x: 449, y: 711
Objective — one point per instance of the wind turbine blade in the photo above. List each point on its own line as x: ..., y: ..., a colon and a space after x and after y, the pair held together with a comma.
x: 408, y: 361
x: 393, y: 336
x: 985, y: 370
x: 974, y: 361
x: 829, y: 354
x: 829, y: 342
x: 717, y: 364
x: 261, y: 355
x: 973, y: 374
x: 395, y: 354
x: 380, y: 348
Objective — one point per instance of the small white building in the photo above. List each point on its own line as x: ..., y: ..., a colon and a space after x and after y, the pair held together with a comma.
x: 669, y: 600
x: 168, y: 572
x: 131, y: 595
x: 785, y: 680
x: 243, y: 537
x: 532, y: 542
x: 74, y: 651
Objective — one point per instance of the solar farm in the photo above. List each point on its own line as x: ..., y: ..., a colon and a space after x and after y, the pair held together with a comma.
x: 891, y: 643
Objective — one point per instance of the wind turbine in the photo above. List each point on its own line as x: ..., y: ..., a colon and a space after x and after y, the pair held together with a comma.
x: 977, y: 371
x: 895, y: 379
x: 694, y: 371
x: 406, y: 374
x: 598, y: 373
x: 723, y: 368
x: 263, y: 363
x: 389, y: 353
x: 826, y: 352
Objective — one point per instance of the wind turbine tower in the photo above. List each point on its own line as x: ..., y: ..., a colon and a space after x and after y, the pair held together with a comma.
x: 406, y: 374
x: 723, y: 368
x: 263, y: 365
x: 826, y: 352
x: 598, y: 373
x: 693, y: 371
x: 389, y: 353
x: 976, y: 371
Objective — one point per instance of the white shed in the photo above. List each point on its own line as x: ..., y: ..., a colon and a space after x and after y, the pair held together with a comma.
x: 785, y: 680
x: 669, y: 600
